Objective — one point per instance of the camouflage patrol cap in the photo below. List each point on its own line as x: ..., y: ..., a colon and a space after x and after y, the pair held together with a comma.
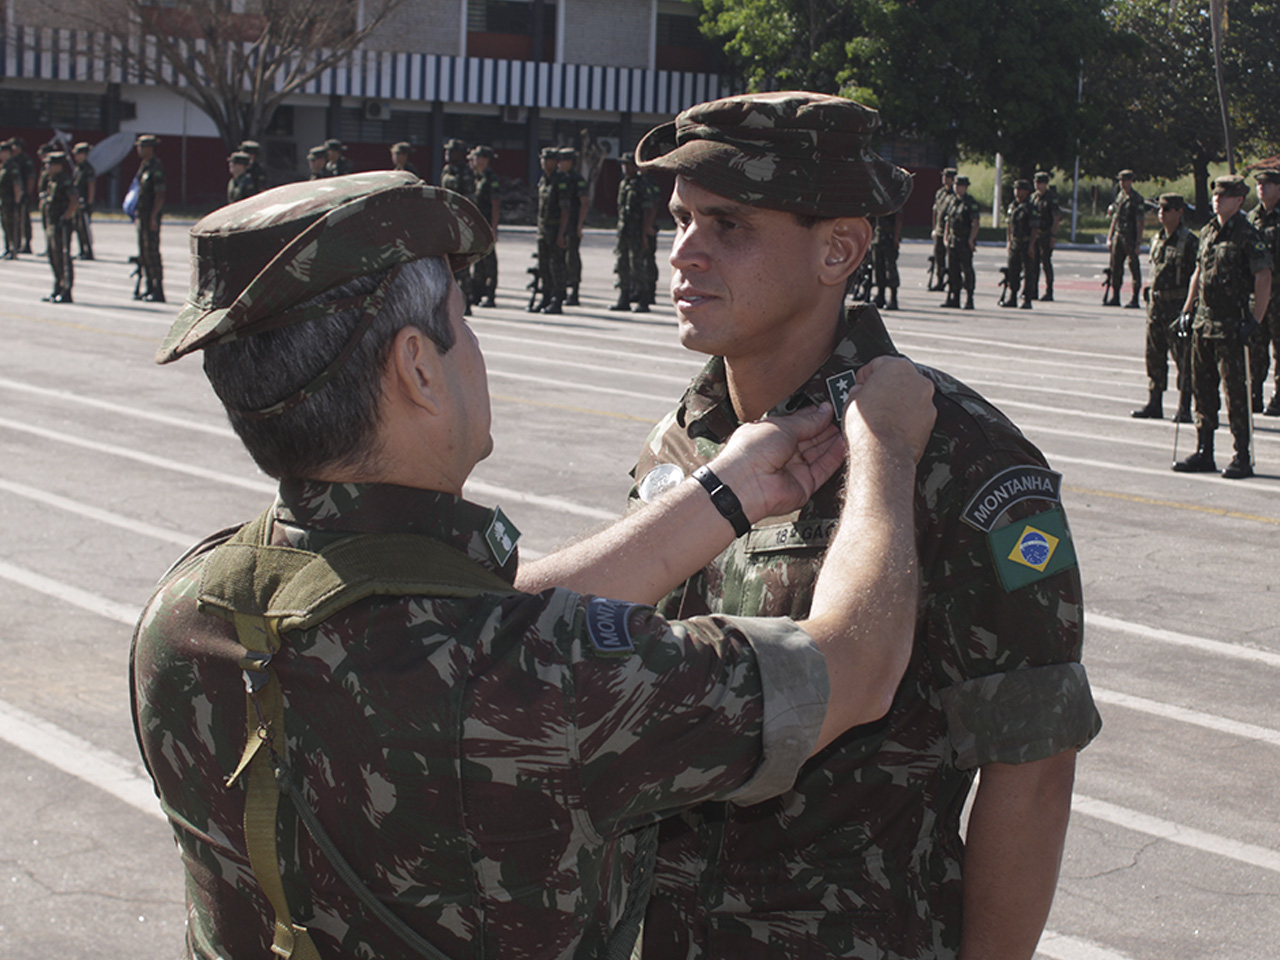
x: 254, y: 261
x: 949, y: 172
x: 549, y: 153
x: 1172, y: 201
x: 250, y: 146
x: 402, y: 147
x: 1230, y: 186
x: 315, y: 153
x: 55, y: 156
x: 1267, y: 176
x: 241, y: 157
x: 333, y: 143
x: 1022, y: 185
x: 483, y: 150
x: 800, y: 152
x: 147, y: 140
x: 1042, y: 176
x: 80, y: 147
x: 962, y: 181
x: 453, y: 143
x: 1125, y: 175
x: 567, y: 153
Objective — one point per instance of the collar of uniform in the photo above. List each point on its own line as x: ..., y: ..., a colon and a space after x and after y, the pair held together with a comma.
x: 312, y: 513
x: 706, y: 412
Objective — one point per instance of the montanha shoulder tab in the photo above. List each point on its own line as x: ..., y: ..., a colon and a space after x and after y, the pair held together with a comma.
x: 1007, y: 488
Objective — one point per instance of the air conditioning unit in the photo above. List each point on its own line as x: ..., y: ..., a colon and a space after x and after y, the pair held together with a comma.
x: 377, y: 110
x: 515, y: 114
x: 611, y: 146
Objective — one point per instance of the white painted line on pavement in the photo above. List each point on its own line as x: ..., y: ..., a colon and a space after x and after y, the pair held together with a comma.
x: 1169, y: 711
x: 493, y: 492
x: 1185, y: 836
x: 1010, y: 345
x: 668, y: 400
x: 1255, y: 484
x: 185, y: 423
x: 1058, y: 946
x: 79, y: 758
x: 102, y: 516
x: 1216, y: 647
x: 678, y: 381
x: 101, y: 606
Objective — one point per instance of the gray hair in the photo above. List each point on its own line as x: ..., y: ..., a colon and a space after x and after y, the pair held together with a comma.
x: 337, y: 426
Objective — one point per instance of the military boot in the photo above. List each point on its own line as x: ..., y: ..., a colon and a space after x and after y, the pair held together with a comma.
x: 968, y: 300
x: 1113, y: 300
x: 1184, y: 411
x: 1048, y: 295
x: 1026, y: 302
x: 1257, y: 397
x: 953, y: 300
x: 1154, y: 410
x: 623, y: 304
x: 572, y: 299
x: 1273, y: 408
x: 554, y: 306
x: 1240, y: 465
x: 893, y: 299
x: 879, y: 300
x: 642, y: 306
x: 1202, y: 460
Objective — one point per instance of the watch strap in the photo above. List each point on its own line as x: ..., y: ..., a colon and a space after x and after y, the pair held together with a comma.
x: 724, y: 499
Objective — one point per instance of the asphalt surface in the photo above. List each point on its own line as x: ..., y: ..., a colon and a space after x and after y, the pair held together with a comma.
x: 110, y: 465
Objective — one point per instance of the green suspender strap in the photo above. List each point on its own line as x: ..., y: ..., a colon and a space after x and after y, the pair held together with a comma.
x: 267, y: 591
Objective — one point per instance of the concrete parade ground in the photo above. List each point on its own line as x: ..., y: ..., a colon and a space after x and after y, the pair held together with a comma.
x: 110, y: 466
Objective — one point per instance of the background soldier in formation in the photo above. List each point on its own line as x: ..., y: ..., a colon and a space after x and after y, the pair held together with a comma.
x: 85, y: 180
x: 58, y: 202
x: 456, y: 175
x: 636, y: 213
x: 553, y: 224
x: 257, y: 172
x: 316, y: 158
x: 1021, y: 232
x: 1173, y: 262
x: 11, y: 188
x: 961, y: 235
x: 941, y: 201
x: 241, y: 184
x: 1124, y: 237
x: 1044, y: 207
x: 1234, y: 268
x: 400, y: 153
x: 27, y: 171
x: 151, y: 197
x: 885, y: 243
x: 336, y: 163
x: 484, y: 274
x: 1265, y: 218
x: 576, y: 187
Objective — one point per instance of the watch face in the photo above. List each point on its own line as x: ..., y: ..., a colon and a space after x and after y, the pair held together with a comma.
x: 658, y: 481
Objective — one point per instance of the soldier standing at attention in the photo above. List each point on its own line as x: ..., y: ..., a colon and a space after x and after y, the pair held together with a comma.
x: 400, y: 153
x: 577, y: 190
x: 257, y: 172
x: 58, y: 203
x: 649, y: 292
x: 961, y: 235
x: 85, y: 180
x: 941, y: 201
x: 885, y: 242
x: 27, y: 167
x: 151, y: 197
x: 1044, y: 207
x: 484, y: 275
x: 316, y: 158
x: 241, y: 184
x: 1173, y: 262
x: 636, y: 213
x: 486, y: 743
x: 1265, y: 218
x: 336, y: 163
x: 863, y: 856
x: 1233, y: 283
x: 11, y: 187
x: 456, y: 175
x: 1124, y: 238
x: 1021, y: 231
x: 553, y: 224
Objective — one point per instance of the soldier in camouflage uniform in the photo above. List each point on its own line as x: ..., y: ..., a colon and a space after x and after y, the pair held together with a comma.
x: 400, y: 153
x: 336, y: 163
x: 1022, y: 234
x: 27, y: 168
x: 484, y: 275
x: 241, y: 183
x: 941, y: 203
x: 1265, y: 218
x: 635, y: 223
x: 961, y: 236
x: 1128, y: 214
x: 886, y: 240
x: 553, y: 224
x: 1233, y: 285
x: 58, y: 203
x: 1044, y: 207
x: 257, y: 172
x: 151, y: 197
x: 11, y: 188
x: 1173, y: 261
x: 85, y: 180
x: 863, y: 856
x: 489, y: 762
x: 577, y: 190
x: 456, y: 175
x: 316, y: 158
x: 649, y: 293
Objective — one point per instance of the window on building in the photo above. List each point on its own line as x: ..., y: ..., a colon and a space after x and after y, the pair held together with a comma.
x: 40, y: 108
x: 412, y: 126
x: 503, y: 29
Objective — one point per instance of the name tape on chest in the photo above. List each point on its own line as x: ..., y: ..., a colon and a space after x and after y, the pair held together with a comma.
x: 1029, y: 550
x: 790, y: 536
x: 1007, y: 488
x: 607, y: 627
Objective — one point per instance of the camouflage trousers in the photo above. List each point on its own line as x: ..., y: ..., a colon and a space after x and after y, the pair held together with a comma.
x: 24, y: 220
x: 1041, y: 259
x: 551, y: 267
x: 632, y: 268
x: 572, y: 259
x: 1219, y: 361
x: 1266, y: 340
x: 12, y: 231
x: 83, y: 232
x: 484, y: 276
x: 651, y: 267
x: 960, y: 268
x: 1161, y: 312
x: 149, y: 254
x: 884, y: 261
x: 1122, y: 251
x: 57, y: 238
x: 1018, y: 259
x: 942, y: 261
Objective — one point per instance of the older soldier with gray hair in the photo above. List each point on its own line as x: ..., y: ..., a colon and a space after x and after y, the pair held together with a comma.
x: 863, y: 856
x: 429, y: 761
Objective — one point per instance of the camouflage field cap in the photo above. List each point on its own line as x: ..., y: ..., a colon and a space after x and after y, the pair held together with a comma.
x: 1022, y: 185
x: 483, y: 150
x: 1267, y: 176
x: 315, y: 153
x: 949, y: 172
x: 1125, y: 175
x: 55, y: 156
x: 241, y: 157
x: 252, y: 262
x: 549, y: 153
x: 1042, y: 177
x: 80, y: 147
x: 962, y: 181
x: 333, y: 143
x: 147, y: 140
x: 402, y: 147
x: 568, y: 153
x: 250, y: 146
x: 1172, y: 201
x: 804, y: 153
x: 1231, y: 186
x: 453, y: 143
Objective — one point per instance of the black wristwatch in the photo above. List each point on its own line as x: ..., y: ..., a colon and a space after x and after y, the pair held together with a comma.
x: 725, y: 500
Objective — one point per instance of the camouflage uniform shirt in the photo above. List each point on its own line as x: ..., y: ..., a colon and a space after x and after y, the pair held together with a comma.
x: 1230, y: 255
x: 55, y: 195
x: 862, y: 858
x: 960, y: 215
x: 459, y: 179
x: 1173, y: 261
x: 1044, y: 207
x: 483, y: 763
x: 1268, y: 224
x: 150, y: 181
x: 1129, y: 216
x: 486, y: 189
x: 1020, y: 219
x: 553, y: 203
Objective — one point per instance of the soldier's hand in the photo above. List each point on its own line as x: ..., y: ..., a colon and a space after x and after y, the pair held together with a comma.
x: 775, y: 465
x: 891, y: 406
x: 1181, y: 327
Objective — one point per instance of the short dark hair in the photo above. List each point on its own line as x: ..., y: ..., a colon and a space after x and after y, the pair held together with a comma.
x: 336, y: 426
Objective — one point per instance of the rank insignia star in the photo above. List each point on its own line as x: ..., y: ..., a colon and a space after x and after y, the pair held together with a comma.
x: 839, y: 387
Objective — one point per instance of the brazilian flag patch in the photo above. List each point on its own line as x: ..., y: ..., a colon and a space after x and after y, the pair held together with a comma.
x: 1029, y: 550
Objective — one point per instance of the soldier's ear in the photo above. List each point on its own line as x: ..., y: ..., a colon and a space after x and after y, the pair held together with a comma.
x: 845, y: 244
x: 414, y: 370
